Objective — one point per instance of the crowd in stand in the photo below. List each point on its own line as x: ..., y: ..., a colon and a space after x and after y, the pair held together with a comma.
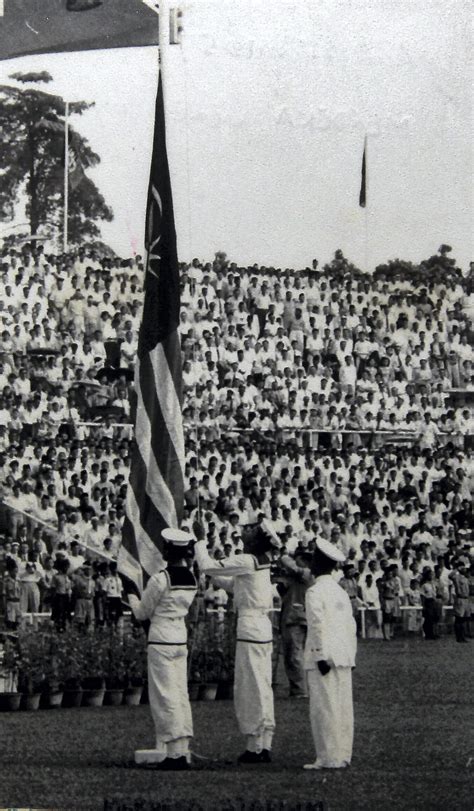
x: 321, y: 400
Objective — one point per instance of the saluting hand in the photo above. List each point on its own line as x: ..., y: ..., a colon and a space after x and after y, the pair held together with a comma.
x: 198, y: 530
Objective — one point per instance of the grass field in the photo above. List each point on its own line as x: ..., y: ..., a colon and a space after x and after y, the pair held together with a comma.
x: 413, y: 747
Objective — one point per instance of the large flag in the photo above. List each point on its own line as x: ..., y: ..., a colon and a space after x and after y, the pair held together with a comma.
x: 155, y: 494
x: 42, y: 26
x: 363, y: 177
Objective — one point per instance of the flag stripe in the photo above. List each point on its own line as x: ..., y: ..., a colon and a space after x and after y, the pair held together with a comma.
x: 143, y: 522
x: 149, y: 555
x: 129, y: 542
x: 172, y: 350
x: 168, y: 398
x: 129, y: 563
x: 150, y: 446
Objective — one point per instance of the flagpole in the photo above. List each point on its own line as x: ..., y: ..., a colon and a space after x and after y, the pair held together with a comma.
x: 163, y: 38
x: 366, y: 228
x: 367, y: 258
x: 66, y: 177
x: 366, y: 209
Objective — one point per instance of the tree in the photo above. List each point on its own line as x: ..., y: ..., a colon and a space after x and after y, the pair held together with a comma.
x: 32, y: 160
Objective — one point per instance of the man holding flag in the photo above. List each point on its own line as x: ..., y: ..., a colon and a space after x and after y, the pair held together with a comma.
x: 165, y: 603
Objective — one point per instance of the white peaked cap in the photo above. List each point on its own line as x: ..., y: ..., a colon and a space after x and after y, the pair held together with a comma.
x: 330, y: 550
x: 176, y: 536
x: 274, y: 539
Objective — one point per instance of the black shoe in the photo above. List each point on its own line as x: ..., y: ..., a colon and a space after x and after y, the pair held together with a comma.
x: 175, y: 764
x: 250, y: 757
x: 265, y: 756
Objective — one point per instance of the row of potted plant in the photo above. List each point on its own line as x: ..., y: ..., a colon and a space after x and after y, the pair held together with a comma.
x: 46, y: 668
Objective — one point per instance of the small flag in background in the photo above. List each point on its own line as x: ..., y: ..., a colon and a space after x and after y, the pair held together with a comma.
x: 75, y: 169
x: 363, y: 179
x: 76, y: 163
x: 155, y: 494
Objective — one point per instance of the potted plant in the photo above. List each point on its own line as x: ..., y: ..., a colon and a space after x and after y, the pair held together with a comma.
x: 211, y: 664
x: 194, y: 681
x: 71, y: 665
x: 198, y: 644
x: 94, y: 652
x: 31, y: 666
x: 10, y: 698
x: 51, y: 687
x: 115, y: 670
x: 135, y: 665
x: 207, y: 662
x: 227, y: 638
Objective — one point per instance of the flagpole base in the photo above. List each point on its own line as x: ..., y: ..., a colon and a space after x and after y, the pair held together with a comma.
x: 148, y: 756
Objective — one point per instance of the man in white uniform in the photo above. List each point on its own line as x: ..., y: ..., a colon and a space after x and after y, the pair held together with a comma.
x: 329, y: 657
x: 248, y: 576
x: 166, y: 602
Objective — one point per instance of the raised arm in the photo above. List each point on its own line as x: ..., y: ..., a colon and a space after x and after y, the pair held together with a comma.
x: 303, y: 573
x: 230, y: 567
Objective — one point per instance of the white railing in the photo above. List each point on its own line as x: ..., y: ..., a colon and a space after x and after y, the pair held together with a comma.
x: 363, y: 609
x: 32, y: 618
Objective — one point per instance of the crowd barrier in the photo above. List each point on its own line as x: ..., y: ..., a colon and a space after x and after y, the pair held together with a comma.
x: 33, y: 618
x: 363, y: 610
x: 399, y: 433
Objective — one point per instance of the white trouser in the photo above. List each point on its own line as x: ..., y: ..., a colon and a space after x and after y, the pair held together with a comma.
x: 331, y: 715
x: 253, y: 694
x: 169, y: 699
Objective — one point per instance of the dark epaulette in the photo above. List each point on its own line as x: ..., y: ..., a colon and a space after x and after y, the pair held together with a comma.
x: 261, y: 562
x: 180, y: 577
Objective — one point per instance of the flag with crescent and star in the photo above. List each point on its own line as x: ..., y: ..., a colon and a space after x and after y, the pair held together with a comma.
x: 155, y: 494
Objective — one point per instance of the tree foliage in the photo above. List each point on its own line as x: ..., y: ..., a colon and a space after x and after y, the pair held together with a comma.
x: 32, y: 160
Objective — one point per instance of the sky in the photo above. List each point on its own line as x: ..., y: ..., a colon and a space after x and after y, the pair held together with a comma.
x: 267, y: 108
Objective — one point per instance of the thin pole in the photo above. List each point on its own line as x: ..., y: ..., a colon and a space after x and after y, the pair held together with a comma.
x: 66, y: 176
x: 366, y: 228
x: 366, y: 210
x: 163, y: 39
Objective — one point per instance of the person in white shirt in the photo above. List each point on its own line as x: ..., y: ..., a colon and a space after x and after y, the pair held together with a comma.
x: 112, y: 586
x: 248, y: 575
x: 329, y: 657
x: 371, y: 599
x: 347, y: 375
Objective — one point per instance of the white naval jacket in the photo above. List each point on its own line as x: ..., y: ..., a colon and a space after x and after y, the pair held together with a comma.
x: 331, y: 626
x: 166, y: 602
x: 250, y: 582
